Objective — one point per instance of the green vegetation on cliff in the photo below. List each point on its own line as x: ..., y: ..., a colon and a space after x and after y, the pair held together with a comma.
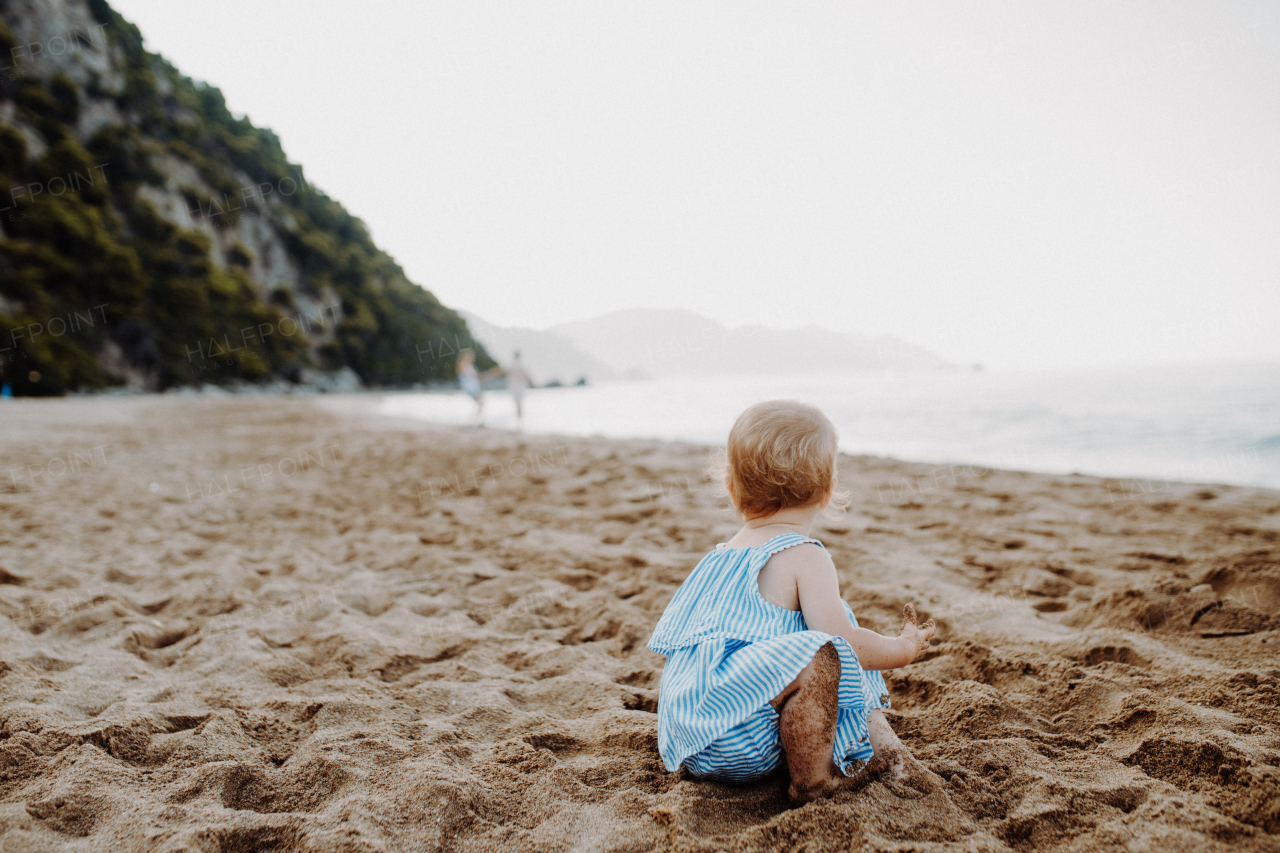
x: 95, y: 279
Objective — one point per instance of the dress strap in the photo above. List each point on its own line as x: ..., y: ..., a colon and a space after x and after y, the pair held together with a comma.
x: 785, y: 541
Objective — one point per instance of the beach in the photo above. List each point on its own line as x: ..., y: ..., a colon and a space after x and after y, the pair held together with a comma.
x: 273, y: 623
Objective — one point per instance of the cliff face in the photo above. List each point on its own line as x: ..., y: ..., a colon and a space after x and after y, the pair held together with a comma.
x: 149, y: 237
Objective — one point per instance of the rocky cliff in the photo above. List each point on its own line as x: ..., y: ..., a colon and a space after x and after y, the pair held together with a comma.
x: 149, y: 237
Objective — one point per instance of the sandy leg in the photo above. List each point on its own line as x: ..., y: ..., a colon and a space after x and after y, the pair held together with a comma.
x: 808, y: 728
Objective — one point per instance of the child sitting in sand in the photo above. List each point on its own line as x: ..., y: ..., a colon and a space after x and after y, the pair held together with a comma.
x: 765, y: 661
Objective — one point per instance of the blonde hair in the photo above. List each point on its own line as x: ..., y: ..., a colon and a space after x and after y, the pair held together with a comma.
x: 781, y: 454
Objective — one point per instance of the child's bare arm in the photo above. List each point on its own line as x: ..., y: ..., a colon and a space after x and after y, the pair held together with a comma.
x: 820, y: 602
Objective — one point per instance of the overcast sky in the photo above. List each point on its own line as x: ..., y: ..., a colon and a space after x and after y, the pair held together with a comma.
x: 1016, y: 184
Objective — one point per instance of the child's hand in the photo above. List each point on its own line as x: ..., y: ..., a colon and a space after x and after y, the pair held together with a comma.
x: 917, y: 635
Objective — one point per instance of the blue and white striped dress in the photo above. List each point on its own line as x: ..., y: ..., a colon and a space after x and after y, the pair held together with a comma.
x: 729, y: 652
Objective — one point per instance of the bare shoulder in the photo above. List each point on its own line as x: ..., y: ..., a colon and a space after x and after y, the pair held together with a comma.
x: 791, y: 568
x: 802, y: 560
x: 804, y: 569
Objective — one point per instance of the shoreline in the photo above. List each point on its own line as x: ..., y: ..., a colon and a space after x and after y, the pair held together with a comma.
x: 1142, y: 439
x: 357, y: 404
x: 333, y: 645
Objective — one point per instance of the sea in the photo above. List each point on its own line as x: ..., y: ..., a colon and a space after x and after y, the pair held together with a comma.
x: 1149, y: 425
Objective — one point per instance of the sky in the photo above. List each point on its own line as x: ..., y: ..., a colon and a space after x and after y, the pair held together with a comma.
x: 1018, y: 185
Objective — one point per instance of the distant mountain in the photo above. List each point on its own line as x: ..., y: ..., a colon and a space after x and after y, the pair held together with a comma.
x: 656, y: 343
x: 150, y: 237
x: 545, y: 355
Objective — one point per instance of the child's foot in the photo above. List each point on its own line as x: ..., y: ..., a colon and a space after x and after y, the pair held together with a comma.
x: 835, y: 782
x: 903, y: 774
x: 799, y: 795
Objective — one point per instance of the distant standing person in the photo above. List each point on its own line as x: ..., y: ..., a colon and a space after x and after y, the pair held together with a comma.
x: 517, y: 382
x: 470, y: 381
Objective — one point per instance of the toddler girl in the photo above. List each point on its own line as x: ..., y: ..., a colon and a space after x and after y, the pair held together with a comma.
x: 765, y: 661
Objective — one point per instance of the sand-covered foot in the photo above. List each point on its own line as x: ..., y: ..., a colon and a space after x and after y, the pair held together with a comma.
x: 799, y: 795
x: 904, y: 775
x: 836, y: 782
x: 900, y: 772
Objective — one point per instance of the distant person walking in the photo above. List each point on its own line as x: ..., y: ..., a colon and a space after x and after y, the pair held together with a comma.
x: 517, y: 382
x: 469, y: 379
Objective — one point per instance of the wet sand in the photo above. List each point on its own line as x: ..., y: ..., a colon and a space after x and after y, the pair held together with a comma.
x: 258, y: 624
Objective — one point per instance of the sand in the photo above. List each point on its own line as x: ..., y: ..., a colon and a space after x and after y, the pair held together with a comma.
x: 253, y: 623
